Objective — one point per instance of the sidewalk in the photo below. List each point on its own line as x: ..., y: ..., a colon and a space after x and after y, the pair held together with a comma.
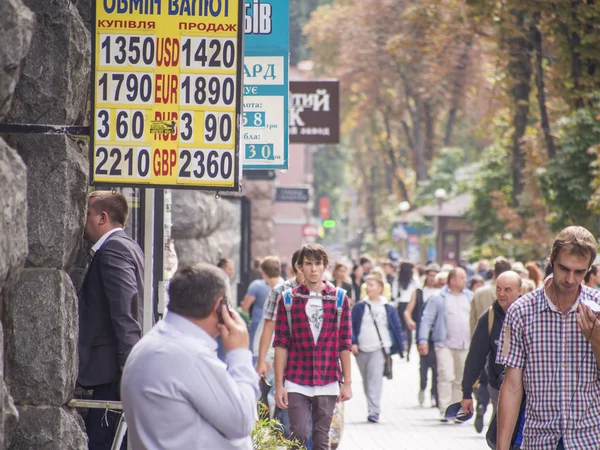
x: 404, y: 425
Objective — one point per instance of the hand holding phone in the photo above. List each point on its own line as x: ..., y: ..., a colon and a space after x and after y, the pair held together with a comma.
x: 224, y: 305
x: 233, y: 329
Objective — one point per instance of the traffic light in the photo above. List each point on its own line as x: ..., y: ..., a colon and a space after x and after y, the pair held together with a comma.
x: 329, y: 223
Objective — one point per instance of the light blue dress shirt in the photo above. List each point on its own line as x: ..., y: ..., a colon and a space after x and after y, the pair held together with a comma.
x: 177, y: 395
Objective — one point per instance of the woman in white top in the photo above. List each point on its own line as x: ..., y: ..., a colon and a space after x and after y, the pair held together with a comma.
x: 405, y: 286
x: 376, y: 330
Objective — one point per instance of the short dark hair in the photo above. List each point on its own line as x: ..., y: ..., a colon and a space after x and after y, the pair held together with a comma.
x: 271, y: 266
x: 501, y: 265
x: 315, y: 252
x: 295, y: 260
x: 223, y: 262
x: 452, y: 274
x: 364, y: 260
x: 576, y: 241
x: 113, y: 203
x: 194, y: 290
x: 593, y: 271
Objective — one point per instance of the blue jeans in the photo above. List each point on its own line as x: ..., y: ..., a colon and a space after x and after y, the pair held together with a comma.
x: 561, y: 445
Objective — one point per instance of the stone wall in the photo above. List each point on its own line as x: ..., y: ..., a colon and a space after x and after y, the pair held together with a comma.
x: 16, y: 27
x: 42, y: 213
x: 206, y: 229
x: 260, y: 194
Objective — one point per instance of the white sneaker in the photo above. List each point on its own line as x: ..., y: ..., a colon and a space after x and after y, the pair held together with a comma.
x: 421, y: 397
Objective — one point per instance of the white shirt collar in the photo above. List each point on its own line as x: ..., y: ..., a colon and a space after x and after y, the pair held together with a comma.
x: 103, y: 239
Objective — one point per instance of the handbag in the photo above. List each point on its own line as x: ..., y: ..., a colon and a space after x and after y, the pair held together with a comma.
x: 387, y: 358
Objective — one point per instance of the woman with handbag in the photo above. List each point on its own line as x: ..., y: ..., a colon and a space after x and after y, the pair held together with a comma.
x: 376, y: 335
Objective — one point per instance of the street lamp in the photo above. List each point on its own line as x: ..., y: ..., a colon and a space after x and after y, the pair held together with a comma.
x: 440, y: 196
x: 404, y: 206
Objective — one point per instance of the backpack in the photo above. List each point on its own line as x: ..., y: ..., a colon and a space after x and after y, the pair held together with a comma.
x: 338, y: 298
x: 418, y: 309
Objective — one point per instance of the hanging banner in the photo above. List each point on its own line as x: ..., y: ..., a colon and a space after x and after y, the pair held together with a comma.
x: 167, y: 92
x: 264, y: 135
x: 314, y: 112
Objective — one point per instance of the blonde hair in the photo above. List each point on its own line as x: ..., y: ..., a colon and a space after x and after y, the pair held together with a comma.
x: 527, y: 286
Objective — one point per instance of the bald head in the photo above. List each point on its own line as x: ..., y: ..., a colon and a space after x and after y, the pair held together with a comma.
x: 508, y: 288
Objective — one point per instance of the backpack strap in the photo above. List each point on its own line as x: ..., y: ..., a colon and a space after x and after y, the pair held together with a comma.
x: 490, y: 319
x: 340, y: 294
x: 287, y: 303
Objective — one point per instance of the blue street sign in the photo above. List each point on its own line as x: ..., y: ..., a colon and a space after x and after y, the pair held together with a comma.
x: 264, y: 133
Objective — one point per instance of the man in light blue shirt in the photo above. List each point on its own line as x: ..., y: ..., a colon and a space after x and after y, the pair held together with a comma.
x: 176, y: 393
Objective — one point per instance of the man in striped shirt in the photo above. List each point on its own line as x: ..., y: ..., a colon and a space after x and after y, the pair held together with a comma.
x: 550, y: 345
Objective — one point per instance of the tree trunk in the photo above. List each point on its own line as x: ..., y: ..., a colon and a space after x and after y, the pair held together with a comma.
x: 541, y: 88
x: 450, y: 126
x: 458, y: 89
x: 389, y: 149
x: 415, y: 116
x: 418, y: 134
x: 429, y: 132
x: 519, y: 69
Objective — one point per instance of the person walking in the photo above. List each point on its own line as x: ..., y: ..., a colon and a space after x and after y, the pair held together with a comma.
x: 176, y: 393
x: 550, y: 345
x: 484, y: 344
x: 376, y: 332
x: 412, y: 317
x: 403, y: 290
x: 357, y: 279
x: 258, y: 291
x: 110, y: 309
x: 446, y: 317
x: 312, y: 337
x: 340, y: 279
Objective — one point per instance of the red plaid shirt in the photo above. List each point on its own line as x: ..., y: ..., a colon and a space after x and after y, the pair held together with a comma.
x: 309, y: 364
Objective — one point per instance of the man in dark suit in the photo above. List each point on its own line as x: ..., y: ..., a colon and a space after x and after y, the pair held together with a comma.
x: 110, y: 309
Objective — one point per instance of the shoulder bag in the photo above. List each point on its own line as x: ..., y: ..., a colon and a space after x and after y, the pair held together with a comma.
x: 387, y: 366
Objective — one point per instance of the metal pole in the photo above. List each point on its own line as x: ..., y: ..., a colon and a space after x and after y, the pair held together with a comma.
x: 148, y: 260
x: 159, y: 249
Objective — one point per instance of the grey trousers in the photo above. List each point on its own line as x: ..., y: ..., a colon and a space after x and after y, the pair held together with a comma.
x: 371, y: 365
x: 320, y: 408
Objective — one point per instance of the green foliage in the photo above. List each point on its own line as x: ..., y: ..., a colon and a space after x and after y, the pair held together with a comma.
x: 329, y: 178
x: 492, y: 176
x: 268, y: 433
x: 448, y: 171
x: 300, y: 11
x: 566, y: 180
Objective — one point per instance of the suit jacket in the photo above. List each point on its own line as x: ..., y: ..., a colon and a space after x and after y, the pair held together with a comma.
x: 110, y: 310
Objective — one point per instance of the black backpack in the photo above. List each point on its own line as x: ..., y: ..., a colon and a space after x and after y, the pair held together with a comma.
x: 418, y: 309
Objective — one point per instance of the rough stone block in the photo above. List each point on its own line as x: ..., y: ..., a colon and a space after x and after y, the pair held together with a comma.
x: 13, y: 216
x: 254, y: 189
x: 16, y: 28
x: 198, y: 214
x: 55, y: 77
x: 49, y: 428
x: 8, y: 412
x: 40, y: 332
x: 57, y: 183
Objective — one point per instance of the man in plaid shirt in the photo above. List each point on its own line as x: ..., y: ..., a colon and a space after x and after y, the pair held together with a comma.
x: 265, y: 361
x: 308, y: 356
x: 551, y: 349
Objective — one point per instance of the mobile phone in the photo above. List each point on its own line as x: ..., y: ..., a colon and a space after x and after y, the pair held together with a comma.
x: 223, y: 304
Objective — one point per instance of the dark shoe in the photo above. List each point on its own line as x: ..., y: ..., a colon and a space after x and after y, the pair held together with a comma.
x: 373, y: 418
x: 479, y: 418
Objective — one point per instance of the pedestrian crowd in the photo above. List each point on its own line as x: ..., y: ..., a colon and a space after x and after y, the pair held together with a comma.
x: 521, y: 336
